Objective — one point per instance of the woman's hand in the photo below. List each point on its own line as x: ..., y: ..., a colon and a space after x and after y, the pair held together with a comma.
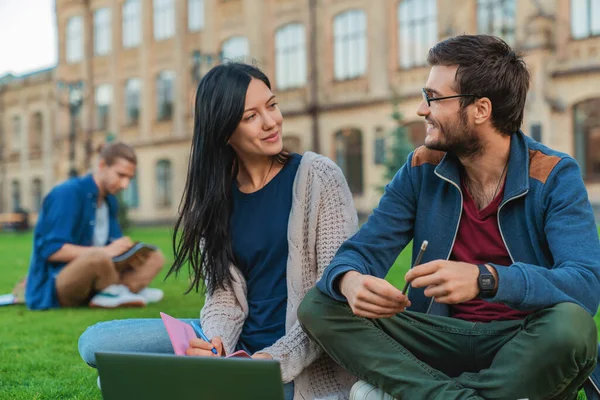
x: 262, y: 356
x: 199, y: 347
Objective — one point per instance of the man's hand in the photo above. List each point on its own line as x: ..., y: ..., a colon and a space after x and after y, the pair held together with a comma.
x: 371, y: 297
x: 119, y: 246
x: 449, y: 282
x: 262, y: 356
x: 199, y: 347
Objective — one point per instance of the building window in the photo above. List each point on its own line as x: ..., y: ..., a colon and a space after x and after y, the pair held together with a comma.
x: 536, y: 132
x: 349, y: 157
x: 36, y: 194
x: 130, y: 195
x: 164, y: 95
x: 586, y: 117
x: 132, y: 26
x: 36, y: 138
x: 292, y: 143
x: 195, y: 15
x: 235, y: 49
x: 379, y: 147
x: 16, y: 195
x: 585, y: 18
x: 290, y: 56
x: 132, y: 101
x: 74, y: 40
x: 102, y: 31
x: 497, y: 17
x: 350, y: 44
x: 16, y: 140
x: 417, y: 31
x: 103, y: 101
x: 163, y: 184
x: 164, y: 19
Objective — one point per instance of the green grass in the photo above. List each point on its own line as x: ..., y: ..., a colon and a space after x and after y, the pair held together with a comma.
x: 38, y: 351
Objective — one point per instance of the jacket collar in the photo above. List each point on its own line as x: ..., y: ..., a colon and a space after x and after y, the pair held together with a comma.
x: 517, y: 174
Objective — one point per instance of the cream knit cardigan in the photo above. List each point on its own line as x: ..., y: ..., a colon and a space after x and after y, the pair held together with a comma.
x: 321, y: 218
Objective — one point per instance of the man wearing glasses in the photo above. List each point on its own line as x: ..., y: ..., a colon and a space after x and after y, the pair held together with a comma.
x: 502, y: 305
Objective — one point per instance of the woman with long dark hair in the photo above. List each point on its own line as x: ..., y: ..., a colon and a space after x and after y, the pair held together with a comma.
x: 257, y: 226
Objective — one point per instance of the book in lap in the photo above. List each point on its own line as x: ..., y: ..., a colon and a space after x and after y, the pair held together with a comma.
x: 139, y: 249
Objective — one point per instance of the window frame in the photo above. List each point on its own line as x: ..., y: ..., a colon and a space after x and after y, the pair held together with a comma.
x: 290, y: 55
x: 102, y: 21
x: 409, y: 25
x: 493, y: 7
x: 131, y: 24
x: 74, y: 40
x: 163, y: 19
x: 347, y: 40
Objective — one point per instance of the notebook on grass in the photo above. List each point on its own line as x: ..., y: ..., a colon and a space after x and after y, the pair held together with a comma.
x: 181, y: 333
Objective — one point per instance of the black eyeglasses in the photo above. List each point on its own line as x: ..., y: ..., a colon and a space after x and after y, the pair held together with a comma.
x: 428, y: 99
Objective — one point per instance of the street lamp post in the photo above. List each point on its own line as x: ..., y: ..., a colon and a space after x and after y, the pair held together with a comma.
x: 75, y: 92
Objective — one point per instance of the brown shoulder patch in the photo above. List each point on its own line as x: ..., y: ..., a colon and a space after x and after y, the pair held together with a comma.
x: 423, y: 155
x: 541, y: 165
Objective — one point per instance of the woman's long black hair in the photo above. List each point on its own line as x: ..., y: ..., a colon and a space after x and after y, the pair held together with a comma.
x: 201, y: 236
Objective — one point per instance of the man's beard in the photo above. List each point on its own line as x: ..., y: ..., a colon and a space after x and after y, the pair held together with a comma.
x: 456, y: 137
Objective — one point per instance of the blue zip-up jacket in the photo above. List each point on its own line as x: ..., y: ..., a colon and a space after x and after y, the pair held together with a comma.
x: 68, y: 215
x: 545, y: 219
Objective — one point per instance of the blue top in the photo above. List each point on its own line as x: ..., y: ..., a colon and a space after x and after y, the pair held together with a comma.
x: 259, y: 225
x: 68, y: 215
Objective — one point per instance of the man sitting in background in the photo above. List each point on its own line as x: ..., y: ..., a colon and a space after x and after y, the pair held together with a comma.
x: 77, y: 235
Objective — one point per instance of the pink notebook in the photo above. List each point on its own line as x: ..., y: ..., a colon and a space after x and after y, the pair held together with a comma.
x: 181, y: 333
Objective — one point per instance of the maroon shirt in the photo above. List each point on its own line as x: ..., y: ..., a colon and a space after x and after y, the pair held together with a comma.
x: 478, y: 241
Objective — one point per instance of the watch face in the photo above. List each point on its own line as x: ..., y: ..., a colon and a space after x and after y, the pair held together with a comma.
x: 486, y: 281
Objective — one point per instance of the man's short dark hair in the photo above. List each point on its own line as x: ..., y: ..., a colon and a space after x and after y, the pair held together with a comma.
x: 110, y: 152
x: 487, y: 67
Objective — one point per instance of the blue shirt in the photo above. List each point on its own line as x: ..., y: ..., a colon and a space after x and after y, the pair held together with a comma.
x: 259, y: 225
x: 68, y: 216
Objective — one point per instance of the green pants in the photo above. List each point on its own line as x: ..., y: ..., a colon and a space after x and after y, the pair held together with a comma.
x: 418, y: 356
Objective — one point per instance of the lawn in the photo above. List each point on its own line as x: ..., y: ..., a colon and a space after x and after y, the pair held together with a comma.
x: 38, y: 355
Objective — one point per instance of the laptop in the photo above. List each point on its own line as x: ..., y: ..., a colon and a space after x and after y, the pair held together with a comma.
x: 146, y: 376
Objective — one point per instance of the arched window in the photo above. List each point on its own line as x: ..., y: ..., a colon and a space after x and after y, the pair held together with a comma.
x: 350, y: 44
x: 164, y: 190
x: 290, y: 56
x: 586, y: 124
x: 37, y: 193
x: 235, y: 49
x: 349, y: 157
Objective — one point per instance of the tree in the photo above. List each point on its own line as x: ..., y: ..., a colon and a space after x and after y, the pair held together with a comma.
x: 399, y: 146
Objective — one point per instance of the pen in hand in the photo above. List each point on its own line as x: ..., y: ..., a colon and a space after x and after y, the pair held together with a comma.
x: 202, y: 336
x: 417, y: 261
